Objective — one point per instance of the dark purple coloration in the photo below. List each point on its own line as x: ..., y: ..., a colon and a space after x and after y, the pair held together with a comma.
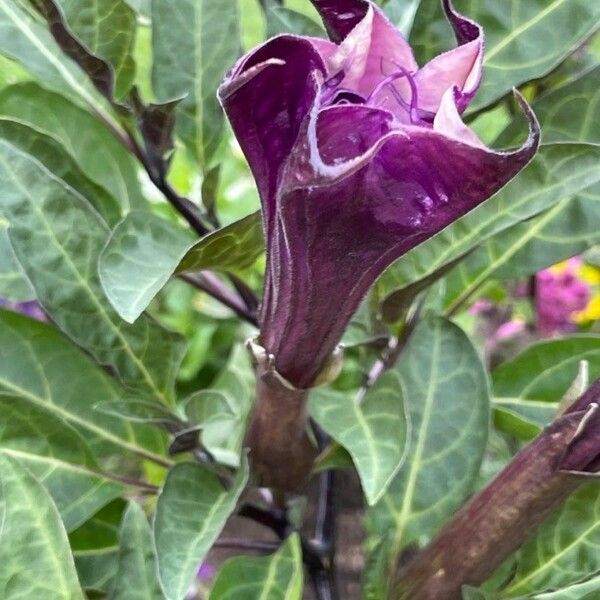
x: 359, y: 156
x: 583, y: 454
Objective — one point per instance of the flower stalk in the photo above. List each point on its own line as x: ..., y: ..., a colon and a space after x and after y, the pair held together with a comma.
x: 281, y: 452
x: 500, y: 518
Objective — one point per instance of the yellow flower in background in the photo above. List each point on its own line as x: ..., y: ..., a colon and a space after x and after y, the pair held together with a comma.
x: 590, y: 313
x: 589, y: 273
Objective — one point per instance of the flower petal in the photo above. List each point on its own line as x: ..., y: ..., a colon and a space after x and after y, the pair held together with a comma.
x: 448, y: 122
x: 266, y: 97
x: 460, y: 67
x: 369, y: 50
x: 345, y: 215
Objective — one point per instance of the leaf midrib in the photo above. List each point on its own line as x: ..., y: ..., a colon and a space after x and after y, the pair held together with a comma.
x: 82, y: 281
x: 402, y: 517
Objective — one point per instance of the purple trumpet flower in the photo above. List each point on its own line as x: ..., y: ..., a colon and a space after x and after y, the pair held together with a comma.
x: 359, y: 155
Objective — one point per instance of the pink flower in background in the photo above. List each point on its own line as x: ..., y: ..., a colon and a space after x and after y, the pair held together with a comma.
x: 206, y: 571
x: 511, y: 329
x: 560, y: 294
x: 481, y: 307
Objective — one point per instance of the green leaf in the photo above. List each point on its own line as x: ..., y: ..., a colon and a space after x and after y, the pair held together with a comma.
x: 568, y: 228
x: 137, y: 575
x: 141, y: 6
x: 107, y: 29
x: 528, y: 388
x: 522, y: 419
x: 27, y: 41
x: 138, y: 260
x: 96, y: 548
x: 557, y: 173
x: 471, y: 593
x: 144, y: 251
x: 545, y: 370
x: 194, y: 42
x: 56, y: 159
x: 57, y: 238
x: 97, y: 568
x: 35, y: 555
x: 222, y: 411
x: 587, y: 590
x: 99, y: 155
x: 401, y: 13
x: 373, y: 429
x: 58, y: 456
x: 14, y: 286
x: 446, y: 391
x: 525, y: 39
x: 565, y: 549
x: 567, y: 114
x: 281, y: 19
x: 138, y: 411
x: 190, y: 513
x: 233, y: 248
x: 275, y: 577
x: 376, y: 580
x: 44, y: 370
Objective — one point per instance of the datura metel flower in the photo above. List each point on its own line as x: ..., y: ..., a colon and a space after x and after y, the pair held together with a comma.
x: 359, y: 155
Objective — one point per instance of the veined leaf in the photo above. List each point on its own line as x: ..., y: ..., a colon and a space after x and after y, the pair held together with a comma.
x: 446, y: 392
x: 57, y: 238
x: 144, y: 251
x: 401, y: 13
x: 566, y: 229
x: 565, y: 549
x: 234, y: 247
x: 557, y: 173
x: 586, y: 590
x: 96, y: 548
x: 137, y: 577
x: 13, y: 283
x: 43, y: 369
x: 281, y: 19
x: 222, y: 411
x: 471, y: 593
x: 373, y: 429
x: 57, y: 160
x: 27, y: 41
x: 34, y: 550
x: 141, y: 6
x: 523, y: 419
x: 545, y: 370
x: 100, y: 156
x: 190, y: 513
x: 138, y: 260
x: 527, y: 388
x: 276, y: 577
x: 194, y: 42
x: 59, y: 458
x: 525, y: 39
x: 567, y: 114
x: 107, y: 29
x: 138, y: 411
